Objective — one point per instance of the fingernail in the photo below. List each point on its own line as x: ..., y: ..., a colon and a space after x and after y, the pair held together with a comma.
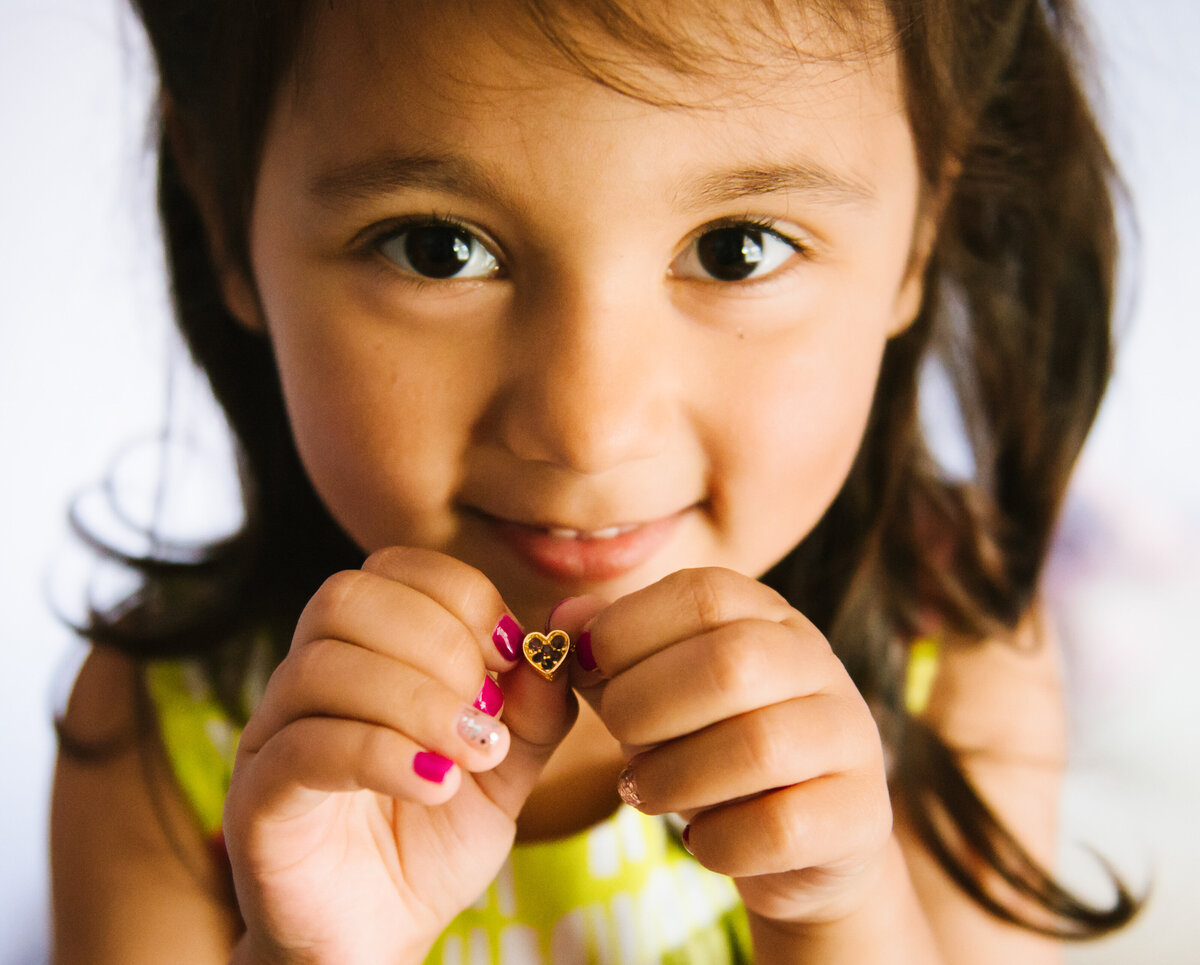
x: 490, y: 699
x: 583, y: 651
x: 432, y: 767
x: 684, y: 836
x: 477, y: 729
x: 554, y: 610
x: 507, y: 637
x: 627, y: 787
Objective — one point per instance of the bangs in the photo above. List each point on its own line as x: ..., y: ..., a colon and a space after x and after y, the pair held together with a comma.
x: 623, y: 44
x: 643, y: 49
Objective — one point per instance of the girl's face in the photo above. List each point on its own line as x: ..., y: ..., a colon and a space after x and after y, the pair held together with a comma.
x: 573, y: 338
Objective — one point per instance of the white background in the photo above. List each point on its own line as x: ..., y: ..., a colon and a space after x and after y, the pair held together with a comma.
x: 82, y: 363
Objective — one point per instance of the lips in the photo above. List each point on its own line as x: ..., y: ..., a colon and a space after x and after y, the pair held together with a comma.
x: 569, y: 555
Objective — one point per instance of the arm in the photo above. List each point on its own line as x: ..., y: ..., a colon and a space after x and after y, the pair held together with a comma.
x: 134, y: 882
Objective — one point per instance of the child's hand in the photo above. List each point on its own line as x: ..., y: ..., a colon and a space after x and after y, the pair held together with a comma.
x: 350, y: 839
x: 736, y: 714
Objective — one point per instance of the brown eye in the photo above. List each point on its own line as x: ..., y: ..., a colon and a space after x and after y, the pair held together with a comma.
x: 730, y: 254
x: 734, y: 253
x: 439, y: 250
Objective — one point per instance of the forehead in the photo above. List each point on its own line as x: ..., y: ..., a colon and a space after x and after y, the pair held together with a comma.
x: 539, y: 88
x: 652, y: 50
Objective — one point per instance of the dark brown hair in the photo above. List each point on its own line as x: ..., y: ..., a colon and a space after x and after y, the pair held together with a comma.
x: 1017, y: 311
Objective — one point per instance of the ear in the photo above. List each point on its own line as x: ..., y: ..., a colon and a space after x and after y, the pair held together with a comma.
x: 931, y: 205
x: 237, y: 287
x: 911, y: 293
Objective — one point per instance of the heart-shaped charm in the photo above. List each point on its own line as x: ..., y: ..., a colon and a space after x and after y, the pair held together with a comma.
x: 547, y: 652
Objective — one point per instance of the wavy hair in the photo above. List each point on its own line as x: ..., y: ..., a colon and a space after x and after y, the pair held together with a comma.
x: 1018, y: 305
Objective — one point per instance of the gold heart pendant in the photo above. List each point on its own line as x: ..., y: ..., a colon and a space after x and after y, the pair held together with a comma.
x: 546, y: 653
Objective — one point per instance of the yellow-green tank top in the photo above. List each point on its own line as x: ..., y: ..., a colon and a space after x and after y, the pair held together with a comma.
x: 624, y: 891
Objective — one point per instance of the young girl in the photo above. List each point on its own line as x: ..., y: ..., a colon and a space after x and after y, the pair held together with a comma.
x: 605, y: 318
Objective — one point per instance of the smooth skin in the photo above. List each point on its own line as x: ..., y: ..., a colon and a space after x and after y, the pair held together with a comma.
x: 584, y: 372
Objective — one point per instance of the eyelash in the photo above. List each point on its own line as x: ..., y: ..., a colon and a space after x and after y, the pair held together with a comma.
x: 381, y: 234
x: 372, y: 240
x: 751, y: 222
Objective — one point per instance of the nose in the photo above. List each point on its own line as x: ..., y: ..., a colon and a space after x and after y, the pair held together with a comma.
x: 591, y: 383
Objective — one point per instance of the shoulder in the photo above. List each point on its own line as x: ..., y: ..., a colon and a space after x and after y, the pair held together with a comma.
x: 102, y: 707
x: 129, y: 867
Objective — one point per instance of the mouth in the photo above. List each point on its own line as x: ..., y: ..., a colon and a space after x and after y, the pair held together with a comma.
x: 570, y: 555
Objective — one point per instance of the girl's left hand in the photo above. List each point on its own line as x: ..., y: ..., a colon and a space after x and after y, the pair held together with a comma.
x: 734, y: 712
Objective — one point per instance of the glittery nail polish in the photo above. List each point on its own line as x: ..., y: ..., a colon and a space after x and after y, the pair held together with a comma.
x: 477, y: 729
x: 627, y: 787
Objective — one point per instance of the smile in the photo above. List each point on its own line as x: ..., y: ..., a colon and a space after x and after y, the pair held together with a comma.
x: 609, y: 532
x: 571, y: 555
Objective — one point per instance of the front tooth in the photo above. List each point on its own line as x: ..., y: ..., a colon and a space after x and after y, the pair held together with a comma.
x: 561, y: 532
x: 608, y: 533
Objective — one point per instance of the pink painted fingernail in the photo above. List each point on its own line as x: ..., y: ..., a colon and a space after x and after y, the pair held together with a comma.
x: 432, y: 767
x: 477, y: 729
x: 490, y: 699
x: 507, y: 637
x: 583, y: 651
x: 627, y: 787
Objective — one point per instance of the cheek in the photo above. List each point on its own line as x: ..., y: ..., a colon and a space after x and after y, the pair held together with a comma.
x: 790, y: 441
x: 351, y: 436
x: 379, y: 429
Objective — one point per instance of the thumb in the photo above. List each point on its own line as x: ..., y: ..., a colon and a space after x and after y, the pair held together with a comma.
x: 575, y: 616
x: 538, y: 713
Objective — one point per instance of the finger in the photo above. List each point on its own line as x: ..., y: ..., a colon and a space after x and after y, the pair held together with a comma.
x: 417, y: 597
x: 732, y: 670
x: 398, y: 621
x: 333, y: 679
x: 297, y: 770
x: 773, y: 747
x: 573, y: 614
x: 833, y: 823
x: 682, y: 605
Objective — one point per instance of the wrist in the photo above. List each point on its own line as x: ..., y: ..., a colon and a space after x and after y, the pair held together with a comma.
x: 886, y: 925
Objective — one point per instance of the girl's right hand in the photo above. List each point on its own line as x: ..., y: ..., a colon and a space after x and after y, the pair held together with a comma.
x: 345, y: 845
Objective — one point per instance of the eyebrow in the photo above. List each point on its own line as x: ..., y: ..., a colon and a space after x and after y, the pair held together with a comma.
x: 388, y: 173
x: 819, y: 183
x: 385, y: 174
